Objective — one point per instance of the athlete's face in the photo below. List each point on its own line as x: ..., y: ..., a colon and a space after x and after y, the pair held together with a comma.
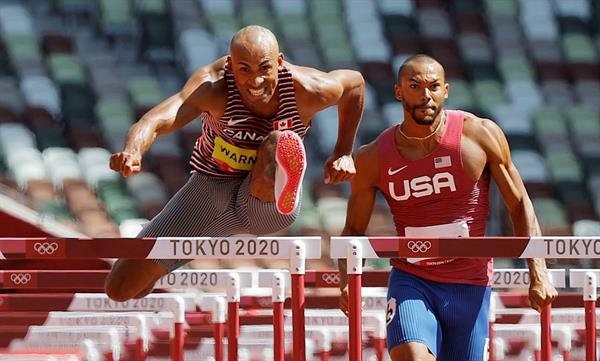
x: 255, y: 69
x: 422, y: 91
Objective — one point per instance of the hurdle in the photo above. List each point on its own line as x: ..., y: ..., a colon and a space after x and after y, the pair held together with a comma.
x: 137, y: 321
x: 295, y: 249
x: 177, y: 304
x: 107, y: 337
x: 354, y: 249
x: 232, y: 280
x: 519, y: 279
x: 330, y: 279
x: 561, y: 334
x: 513, y: 278
x: 587, y: 279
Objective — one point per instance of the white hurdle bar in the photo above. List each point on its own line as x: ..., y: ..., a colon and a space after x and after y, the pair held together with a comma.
x: 295, y: 249
x: 355, y: 248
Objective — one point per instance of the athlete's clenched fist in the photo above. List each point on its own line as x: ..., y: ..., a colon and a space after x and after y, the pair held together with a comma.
x: 126, y: 163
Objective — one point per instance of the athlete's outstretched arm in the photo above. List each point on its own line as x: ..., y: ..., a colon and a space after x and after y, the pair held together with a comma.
x: 171, y: 114
x: 522, y: 213
x: 360, y: 206
x: 318, y: 90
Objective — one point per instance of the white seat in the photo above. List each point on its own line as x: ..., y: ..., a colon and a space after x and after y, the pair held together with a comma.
x: 289, y: 7
x: 396, y: 7
x: 60, y: 173
x: 29, y: 171
x: 53, y: 155
x: 61, y: 164
x: 586, y: 227
x: 93, y: 155
x: 39, y: 91
x: 531, y: 165
x: 15, y: 135
x: 356, y: 10
x: 147, y: 187
x: 524, y: 94
x: 577, y: 8
x: 166, y: 145
x: 537, y: 20
x: 17, y: 157
x: 198, y: 48
x: 95, y: 173
x: 218, y: 6
x: 512, y: 121
x: 15, y: 19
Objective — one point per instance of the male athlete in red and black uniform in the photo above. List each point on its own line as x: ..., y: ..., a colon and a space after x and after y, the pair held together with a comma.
x: 434, y: 171
x: 249, y: 162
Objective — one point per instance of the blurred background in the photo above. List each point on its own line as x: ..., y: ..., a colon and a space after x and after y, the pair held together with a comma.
x: 76, y: 74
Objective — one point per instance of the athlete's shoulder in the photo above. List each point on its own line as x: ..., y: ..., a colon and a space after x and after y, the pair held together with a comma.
x: 312, y: 81
x: 207, y: 87
x: 369, y: 150
x: 480, y: 128
x: 486, y: 133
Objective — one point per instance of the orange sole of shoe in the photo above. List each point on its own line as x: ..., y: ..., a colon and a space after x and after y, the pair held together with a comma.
x: 292, y: 160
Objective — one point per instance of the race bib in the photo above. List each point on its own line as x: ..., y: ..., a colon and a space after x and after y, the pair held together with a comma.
x: 231, y: 157
x: 456, y: 229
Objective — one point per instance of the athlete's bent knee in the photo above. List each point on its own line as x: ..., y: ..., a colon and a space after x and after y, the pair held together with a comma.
x: 118, y: 290
x: 132, y: 279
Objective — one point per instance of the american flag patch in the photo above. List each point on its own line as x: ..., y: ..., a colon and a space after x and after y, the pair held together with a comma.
x: 442, y: 162
x: 282, y: 124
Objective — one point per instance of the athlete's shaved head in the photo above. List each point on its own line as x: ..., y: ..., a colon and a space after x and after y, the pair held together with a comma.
x: 255, y: 61
x: 420, y: 60
x: 254, y: 36
x: 422, y: 88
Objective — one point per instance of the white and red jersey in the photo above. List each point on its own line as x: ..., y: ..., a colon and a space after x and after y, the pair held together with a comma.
x: 228, y: 146
x: 432, y: 197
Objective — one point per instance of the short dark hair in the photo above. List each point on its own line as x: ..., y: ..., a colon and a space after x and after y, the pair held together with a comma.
x: 416, y: 58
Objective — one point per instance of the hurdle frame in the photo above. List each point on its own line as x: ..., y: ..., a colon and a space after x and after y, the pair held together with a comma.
x: 454, y: 247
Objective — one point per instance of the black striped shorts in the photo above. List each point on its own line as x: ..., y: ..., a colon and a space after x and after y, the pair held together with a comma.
x: 208, y: 206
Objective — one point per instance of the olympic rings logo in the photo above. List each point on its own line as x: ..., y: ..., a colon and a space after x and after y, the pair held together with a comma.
x: 331, y: 278
x: 20, y: 278
x: 45, y: 247
x: 419, y: 246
